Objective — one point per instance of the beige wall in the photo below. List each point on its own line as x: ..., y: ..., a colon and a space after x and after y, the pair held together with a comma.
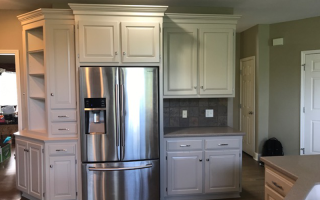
x: 285, y: 75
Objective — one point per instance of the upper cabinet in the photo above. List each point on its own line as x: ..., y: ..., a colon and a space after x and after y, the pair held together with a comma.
x: 199, y: 55
x: 49, y: 60
x: 118, y: 34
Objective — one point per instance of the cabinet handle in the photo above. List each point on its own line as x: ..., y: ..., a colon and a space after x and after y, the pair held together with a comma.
x: 51, y: 166
x: 52, y: 94
x: 223, y: 144
x: 124, y: 53
x: 26, y: 150
x: 116, y: 53
x: 185, y: 145
x: 195, y: 87
x: 63, y: 129
x: 62, y: 116
x: 207, y: 159
x: 201, y: 87
x: 200, y: 160
x: 278, y: 186
x: 61, y: 149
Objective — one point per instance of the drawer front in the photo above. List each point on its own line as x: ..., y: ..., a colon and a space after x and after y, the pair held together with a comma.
x: 277, y: 182
x: 62, y: 149
x: 63, y: 129
x: 184, y: 145
x: 270, y: 194
x: 63, y: 116
x: 221, y: 143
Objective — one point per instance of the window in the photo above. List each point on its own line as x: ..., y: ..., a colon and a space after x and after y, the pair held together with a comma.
x: 8, y: 88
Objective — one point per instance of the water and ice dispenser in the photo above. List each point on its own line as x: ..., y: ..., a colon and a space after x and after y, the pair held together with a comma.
x: 95, y: 115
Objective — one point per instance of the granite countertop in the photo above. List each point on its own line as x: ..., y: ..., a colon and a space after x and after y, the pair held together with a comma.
x: 201, y: 131
x: 303, y: 169
x: 35, y: 136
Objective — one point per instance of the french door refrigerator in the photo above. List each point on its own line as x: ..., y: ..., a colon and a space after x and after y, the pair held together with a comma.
x: 119, y: 133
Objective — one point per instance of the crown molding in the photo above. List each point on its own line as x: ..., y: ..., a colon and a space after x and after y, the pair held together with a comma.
x: 47, y: 14
x: 117, y: 10
x: 201, y: 18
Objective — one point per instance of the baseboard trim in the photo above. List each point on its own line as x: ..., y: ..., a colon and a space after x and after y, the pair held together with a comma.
x: 256, y: 156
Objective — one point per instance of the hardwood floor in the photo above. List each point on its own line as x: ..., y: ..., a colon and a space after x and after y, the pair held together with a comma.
x: 252, y: 180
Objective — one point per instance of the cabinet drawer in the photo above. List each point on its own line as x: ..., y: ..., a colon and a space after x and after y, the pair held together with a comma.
x: 184, y: 145
x: 64, y: 128
x: 278, y: 182
x: 222, y: 143
x: 270, y: 194
x: 63, y: 116
x: 62, y: 149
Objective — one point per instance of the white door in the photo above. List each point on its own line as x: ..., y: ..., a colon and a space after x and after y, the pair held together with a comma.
x: 35, y: 170
x: 62, y: 181
x: 140, y: 42
x: 180, y: 61
x: 184, y: 172
x: 61, y: 64
x: 222, y: 171
x: 98, y: 41
x: 216, y: 61
x: 22, y: 165
x: 310, y: 124
x: 247, y: 101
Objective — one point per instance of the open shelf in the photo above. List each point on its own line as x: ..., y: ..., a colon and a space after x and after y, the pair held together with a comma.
x: 34, y: 39
x: 36, y: 51
x: 36, y: 86
x: 38, y: 97
x: 36, y: 63
x: 37, y: 117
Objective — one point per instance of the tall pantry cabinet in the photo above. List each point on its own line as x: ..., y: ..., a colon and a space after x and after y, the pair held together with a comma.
x: 47, y: 147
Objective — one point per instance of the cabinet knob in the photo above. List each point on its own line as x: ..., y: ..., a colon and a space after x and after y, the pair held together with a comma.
x: 23, y: 93
x: 200, y: 160
x: 124, y: 53
x: 195, y: 87
x: 116, y: 53
x: 207, y: 159
x: 52, y: 94
x: 250, y: 113
x: 51, y: 166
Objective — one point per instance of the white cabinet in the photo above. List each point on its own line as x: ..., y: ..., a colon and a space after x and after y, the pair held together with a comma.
x: 49, y: 57
x: 99, y: 41
x: 199, y: 56
x: 208, y: 166
x: 184, y: 172
x: 29, y: 168
x: 222, y: 171
x: 46, y: 169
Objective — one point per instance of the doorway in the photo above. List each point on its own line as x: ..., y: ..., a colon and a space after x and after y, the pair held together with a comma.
x: 247, y: 104
x: 310, y: 103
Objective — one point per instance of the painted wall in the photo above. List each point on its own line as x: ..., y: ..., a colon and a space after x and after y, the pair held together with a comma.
x: 285, y: 75
x: 11, y: 39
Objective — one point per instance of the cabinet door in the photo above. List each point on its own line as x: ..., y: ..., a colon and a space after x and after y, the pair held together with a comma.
x: 270, y: 194
x: 61, y: 65
x: 140, y: 41
x: 35, y: 170
x: 184, y: 172
x: 222, y: 171
x: 98, y: 41
x: 180, y: 61
x: 22, y: 165
x: 216, y: 61
x: 62, y: 181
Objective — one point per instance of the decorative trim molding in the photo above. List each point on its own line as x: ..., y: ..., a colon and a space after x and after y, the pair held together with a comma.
x: 47, y: 14
x: 113, y: 9
x: 201, y: 18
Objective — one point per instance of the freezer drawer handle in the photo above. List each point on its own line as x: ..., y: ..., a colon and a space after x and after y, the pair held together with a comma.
x: 185, y: 145
x: 119, y: 168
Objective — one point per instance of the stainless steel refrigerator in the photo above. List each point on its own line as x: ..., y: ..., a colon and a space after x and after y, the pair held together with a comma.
x: 119, y: 133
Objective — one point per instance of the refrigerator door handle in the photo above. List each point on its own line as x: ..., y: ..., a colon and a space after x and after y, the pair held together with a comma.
x: 117, y: 111
x: 119, y: 168
x: 122, y: 131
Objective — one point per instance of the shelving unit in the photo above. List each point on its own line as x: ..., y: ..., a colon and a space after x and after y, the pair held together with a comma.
x: 36, y: 80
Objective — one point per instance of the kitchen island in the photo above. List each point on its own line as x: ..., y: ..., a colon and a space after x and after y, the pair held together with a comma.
x: 304, y: 170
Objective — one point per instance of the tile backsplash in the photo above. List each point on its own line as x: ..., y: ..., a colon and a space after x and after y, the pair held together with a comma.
x: 172, y: 109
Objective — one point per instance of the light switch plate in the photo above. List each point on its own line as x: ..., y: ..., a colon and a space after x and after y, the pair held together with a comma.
x: 209, y: 112
x: 184, y: 113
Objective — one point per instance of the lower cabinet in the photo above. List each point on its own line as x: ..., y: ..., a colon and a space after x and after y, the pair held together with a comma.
x: 46, y: 170
x: 203, y: 167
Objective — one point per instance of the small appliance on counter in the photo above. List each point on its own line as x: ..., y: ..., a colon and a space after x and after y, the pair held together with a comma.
x: 119, y: 133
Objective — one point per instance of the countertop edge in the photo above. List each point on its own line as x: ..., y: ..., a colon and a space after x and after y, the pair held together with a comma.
x: 31, y: 135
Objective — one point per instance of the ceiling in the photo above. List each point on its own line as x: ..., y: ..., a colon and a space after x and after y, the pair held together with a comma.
x: 253, y: 11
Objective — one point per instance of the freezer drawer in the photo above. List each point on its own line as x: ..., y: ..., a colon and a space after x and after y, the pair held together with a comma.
x: 121, y: 181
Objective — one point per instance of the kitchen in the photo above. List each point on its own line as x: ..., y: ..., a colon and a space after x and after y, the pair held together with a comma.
x: 292, y: 146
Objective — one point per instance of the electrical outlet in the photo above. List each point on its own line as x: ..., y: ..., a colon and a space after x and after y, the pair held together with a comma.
x: 209, y: 112
x: 184, y: 113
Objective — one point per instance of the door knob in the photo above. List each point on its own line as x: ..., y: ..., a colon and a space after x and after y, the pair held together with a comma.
x: 207, y: 159
x: 200, y: 160
x: 250, y: 113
